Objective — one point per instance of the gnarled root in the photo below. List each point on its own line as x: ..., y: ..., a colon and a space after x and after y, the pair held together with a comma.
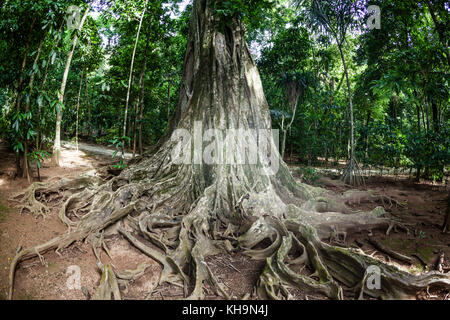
x: 153, y: 214
x: 29, y: 202
x: 108, y: 285
x: 333, y: 267
x: 34, y: 197
x: 89, y: 225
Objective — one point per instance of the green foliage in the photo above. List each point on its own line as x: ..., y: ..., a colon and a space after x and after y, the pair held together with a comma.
x: 429, y: 150
x: 119, y: 144
x: 399, y: 75
x: 108, y: 137
x: 22, y: 129
x: 38, y: 157
x: 308, y: 175
x: 251, y: 12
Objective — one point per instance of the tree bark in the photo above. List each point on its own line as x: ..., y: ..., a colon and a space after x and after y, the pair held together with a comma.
x: 439, y: 28
x: 17, y: 101
x: 43, y: 88
x: 78, y: 108
x: 168, y: 97
x: 367, y: 134
x: 56, y: 157
x: 141, y: 104
x: 26, y: 163
x: 446, y: 226
x: 131, y: 76
x: 293, y: 93
x: 89, y: 107
x: 352, y: 174
x: 24, y: 63
x: 434, y: 108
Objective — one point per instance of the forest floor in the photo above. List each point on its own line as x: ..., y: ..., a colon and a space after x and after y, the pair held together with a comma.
x: 424, y: 208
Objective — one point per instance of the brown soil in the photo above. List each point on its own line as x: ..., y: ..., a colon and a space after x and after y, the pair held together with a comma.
x: 36, y: 281
x: 424, y: 209
x: 422, y: 206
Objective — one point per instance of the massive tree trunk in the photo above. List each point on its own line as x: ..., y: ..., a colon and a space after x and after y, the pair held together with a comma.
x: 192, y: 209
x: 56, y: 157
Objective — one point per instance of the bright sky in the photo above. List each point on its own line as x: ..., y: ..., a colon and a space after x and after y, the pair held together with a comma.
x: 182, y: 5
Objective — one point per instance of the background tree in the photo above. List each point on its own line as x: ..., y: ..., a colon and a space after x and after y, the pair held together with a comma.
x: 337, y: 18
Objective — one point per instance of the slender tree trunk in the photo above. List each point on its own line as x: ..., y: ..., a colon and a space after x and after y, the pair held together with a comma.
x: 439, y: 28
x: 283, y: 145
x: 168, y: 97
x: 427, y: 105
x: 131, y: 76
x: 418, y: 130
x: 56, y: 158
x: 141, y: 117
x: 78, y: 108
x: 352, y: 173
x: 349, y: 91
x: 291, y: 154
x: 38, y: 130
x: 89, y: 124
x: 136, y: 119
x: 17, y: 101
x: 140, y: 105
x: 26, y: 164
x: 446, y: 226
x: 435, y: 111
x: 293, y: 93
x: 283, y: 130
x: 44, y: 84
x: 24, y: 63
x: 367, y: 134
x: 422, y: 113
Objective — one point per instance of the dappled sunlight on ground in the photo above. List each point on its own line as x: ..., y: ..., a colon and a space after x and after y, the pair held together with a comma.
x: 74, y: 159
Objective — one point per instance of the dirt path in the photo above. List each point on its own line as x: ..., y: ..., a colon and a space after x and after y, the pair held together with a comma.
x: 424, y: 209
x: 93, y: 149
x: 33, y: 280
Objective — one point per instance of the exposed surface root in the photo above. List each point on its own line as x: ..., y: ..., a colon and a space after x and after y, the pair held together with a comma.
x: 108, y: 285
x: 390, y: 252
x: 357, y: 197
x: 289, y: 237
x: 36, y: 196
x: 181, y: 212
